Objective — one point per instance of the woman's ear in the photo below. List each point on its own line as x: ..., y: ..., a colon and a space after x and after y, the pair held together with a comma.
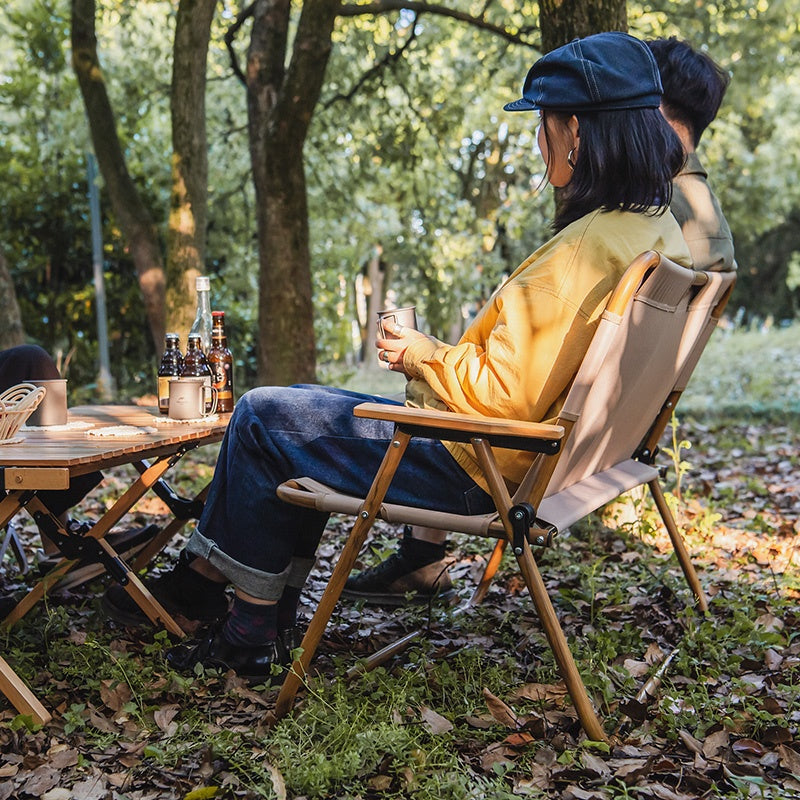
x: 574, y: 129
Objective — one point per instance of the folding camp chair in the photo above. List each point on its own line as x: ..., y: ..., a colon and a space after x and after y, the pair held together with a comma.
x: 603, y: 444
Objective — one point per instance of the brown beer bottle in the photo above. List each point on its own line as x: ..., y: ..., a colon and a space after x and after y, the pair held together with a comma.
x: 220, y: 361
x: 170, y: 367
x: 195, y: 364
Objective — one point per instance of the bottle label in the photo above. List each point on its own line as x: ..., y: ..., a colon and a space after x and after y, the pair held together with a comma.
x: 219, y: 377
x: 163, y: 393
x: 222, y: 380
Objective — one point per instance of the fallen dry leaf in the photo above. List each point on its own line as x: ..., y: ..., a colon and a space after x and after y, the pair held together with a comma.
x: 502, y: 712
x: 435, y: 722
x: 789, y: 759
x: 714, y: 744
x: 163, y: 716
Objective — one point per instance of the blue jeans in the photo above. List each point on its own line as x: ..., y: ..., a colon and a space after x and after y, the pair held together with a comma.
x: 261, y: 543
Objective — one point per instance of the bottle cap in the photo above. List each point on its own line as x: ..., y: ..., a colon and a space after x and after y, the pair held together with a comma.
x: 172, y: 336
x: 202, y: 283
x: 218, y: 314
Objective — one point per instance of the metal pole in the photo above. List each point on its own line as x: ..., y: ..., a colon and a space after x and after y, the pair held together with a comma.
x: 104, y: 379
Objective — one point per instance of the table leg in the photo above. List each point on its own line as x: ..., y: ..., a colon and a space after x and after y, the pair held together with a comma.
x: 159, y: 541
x: 155, y: 612
x: 21, y: 697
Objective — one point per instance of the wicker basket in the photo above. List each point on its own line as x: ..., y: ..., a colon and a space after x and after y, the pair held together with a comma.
x: 16, y: 405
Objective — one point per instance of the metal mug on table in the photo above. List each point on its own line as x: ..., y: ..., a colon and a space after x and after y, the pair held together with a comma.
x: 191, y: 398
x: 53, y: 408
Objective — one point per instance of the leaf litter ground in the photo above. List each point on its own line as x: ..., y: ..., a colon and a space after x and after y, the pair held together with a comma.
x: 699, y: 707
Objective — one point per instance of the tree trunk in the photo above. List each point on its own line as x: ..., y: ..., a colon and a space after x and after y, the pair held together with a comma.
x: 281, y: 103
x: 186, y: 237
x: 12, y: 331
x: 132, y: 215
x: 562, y: 20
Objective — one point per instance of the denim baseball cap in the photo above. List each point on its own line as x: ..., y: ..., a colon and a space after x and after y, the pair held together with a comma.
x: 603, y: 72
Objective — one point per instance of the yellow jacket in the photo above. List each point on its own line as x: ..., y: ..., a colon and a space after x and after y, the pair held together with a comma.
x: 519, y: 356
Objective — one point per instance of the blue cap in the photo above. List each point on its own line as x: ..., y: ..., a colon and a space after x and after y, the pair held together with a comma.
x: 604, y: 72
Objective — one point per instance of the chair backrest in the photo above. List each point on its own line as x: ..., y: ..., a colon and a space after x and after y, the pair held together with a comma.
x: 646, y: 346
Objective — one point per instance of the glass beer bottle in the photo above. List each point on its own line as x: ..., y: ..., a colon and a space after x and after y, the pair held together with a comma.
x: 220, y: 361
x: 202, y: 319
x: 195, y: 364
x: 170, y: 367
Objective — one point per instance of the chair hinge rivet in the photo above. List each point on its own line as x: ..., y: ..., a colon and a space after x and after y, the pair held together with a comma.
x: 364, y: 514
x: 395, y: 443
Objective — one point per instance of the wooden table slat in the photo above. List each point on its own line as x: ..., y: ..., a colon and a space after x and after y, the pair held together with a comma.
x: 81, y: 453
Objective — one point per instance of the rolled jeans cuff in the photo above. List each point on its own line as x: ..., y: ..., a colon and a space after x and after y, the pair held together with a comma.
x: 263, y: 585
x: 298, y: 571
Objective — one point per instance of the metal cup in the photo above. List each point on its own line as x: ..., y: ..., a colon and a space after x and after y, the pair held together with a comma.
x: 390, y: 317
x: 53, y: 408
x: 188, y: 398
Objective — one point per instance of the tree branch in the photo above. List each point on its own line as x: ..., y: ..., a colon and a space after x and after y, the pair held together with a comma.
x: 389, y: 58
x: 230, y: 35
x: 420, y: 6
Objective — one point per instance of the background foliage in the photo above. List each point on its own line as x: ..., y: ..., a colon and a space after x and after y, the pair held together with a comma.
x: 409, y: 151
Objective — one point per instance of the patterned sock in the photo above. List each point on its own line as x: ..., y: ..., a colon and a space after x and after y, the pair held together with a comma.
x: 287, y: 607
x: 251, y: 624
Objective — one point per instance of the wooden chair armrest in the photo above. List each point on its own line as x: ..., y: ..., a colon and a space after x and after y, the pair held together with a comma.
x: 448, y: 425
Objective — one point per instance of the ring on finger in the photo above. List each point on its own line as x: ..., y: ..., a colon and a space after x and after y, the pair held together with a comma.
x: 384, y: 356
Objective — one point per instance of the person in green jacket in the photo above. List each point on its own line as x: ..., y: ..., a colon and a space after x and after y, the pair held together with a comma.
x: 694, y: 87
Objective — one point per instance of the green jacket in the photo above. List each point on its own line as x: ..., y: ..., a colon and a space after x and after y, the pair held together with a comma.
x: 698, y: 213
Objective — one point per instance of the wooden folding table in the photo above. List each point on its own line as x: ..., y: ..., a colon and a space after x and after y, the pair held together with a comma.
x: 46, y: 459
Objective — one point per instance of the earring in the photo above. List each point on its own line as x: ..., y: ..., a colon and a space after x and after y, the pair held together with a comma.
x: 570, y: 159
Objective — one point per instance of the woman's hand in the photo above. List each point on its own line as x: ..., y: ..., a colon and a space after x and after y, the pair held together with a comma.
x: 391, y: 349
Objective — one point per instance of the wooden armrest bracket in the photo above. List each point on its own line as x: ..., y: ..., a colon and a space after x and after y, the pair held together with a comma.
x: 450, y: 426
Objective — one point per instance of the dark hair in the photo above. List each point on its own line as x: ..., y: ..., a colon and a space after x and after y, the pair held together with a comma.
x: 694, y: 84
x: 626, y: 161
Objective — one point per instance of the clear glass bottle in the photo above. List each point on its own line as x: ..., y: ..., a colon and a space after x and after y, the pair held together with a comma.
x: 170, y: 367
x: 220, y: 360
x: 202, y: 320
x: 195, y: 364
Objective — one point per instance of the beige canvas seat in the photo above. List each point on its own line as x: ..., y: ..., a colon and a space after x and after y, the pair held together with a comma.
x: 647, y: 344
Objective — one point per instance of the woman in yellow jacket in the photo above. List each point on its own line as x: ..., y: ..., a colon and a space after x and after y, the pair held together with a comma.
x: 606, y: 145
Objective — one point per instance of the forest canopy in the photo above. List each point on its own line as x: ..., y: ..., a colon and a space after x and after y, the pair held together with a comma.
x: 408, y: 156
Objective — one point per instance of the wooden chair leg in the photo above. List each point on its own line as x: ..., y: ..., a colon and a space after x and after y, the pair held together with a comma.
x: 341, y: 571
x: 558, y: 644
x: 479, y: 594
x: 21, y: 697
x: 678, y: 544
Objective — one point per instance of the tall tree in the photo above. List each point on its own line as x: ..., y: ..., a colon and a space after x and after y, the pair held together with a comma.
x: 563, y: 20
x: 281, y: 102
x: 186, y: 237
x: 133, y: 215
x: 12, y: 331
x: 283, y: 91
